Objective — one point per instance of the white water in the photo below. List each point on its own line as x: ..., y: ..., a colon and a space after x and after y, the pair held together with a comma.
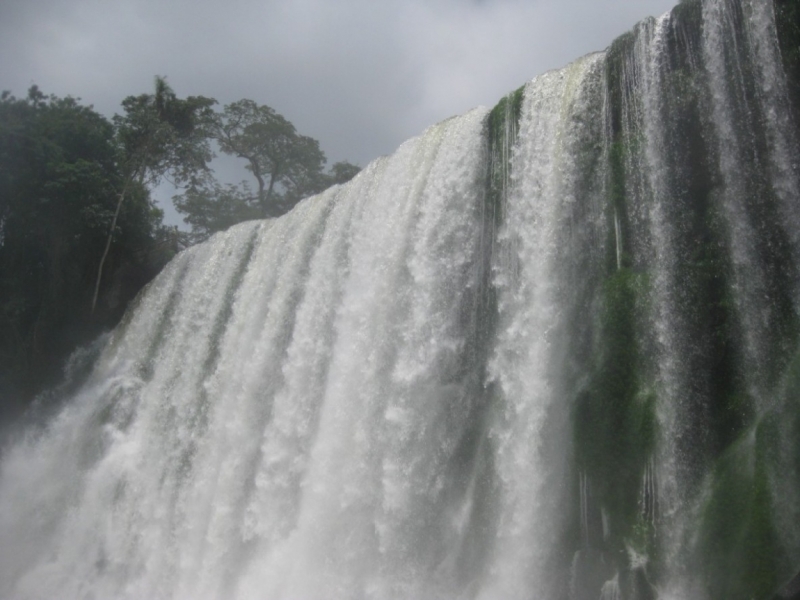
x: 663, y: 492
x: 330, y: 405
x: 726, y: 81
x: 279, y: 415
x: 530, y: 432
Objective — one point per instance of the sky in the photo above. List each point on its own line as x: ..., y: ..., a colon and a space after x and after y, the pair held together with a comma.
x: 360, y: 76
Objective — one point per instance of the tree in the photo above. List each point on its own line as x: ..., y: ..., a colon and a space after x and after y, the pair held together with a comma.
x: 159, y: 135
x: 286, y: 166
x: 59, y: 182
x: 284, y: 163
x: 342, y: 172
x: 211, y: 207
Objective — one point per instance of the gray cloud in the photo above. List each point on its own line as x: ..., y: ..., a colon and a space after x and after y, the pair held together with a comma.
x: 361, y: 76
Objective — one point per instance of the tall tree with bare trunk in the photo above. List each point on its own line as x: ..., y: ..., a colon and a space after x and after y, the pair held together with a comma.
x: 158, y: 136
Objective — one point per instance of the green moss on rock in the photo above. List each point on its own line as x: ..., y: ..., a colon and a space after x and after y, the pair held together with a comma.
x: 739, y: 545
x: 502, y: 125
x: 615, y: 422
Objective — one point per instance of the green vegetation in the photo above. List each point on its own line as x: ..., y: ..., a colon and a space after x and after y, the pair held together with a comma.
x: 739, y: 543
x: 159, y: 135
x: 80, y: 233
x: 733, y: 449
x: 615, y: 424
x: 60, y: 179
x: 286, y: 166
x: 503, y: 124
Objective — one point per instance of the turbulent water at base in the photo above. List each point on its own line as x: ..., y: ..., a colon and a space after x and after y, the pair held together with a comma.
x: 547, y: 351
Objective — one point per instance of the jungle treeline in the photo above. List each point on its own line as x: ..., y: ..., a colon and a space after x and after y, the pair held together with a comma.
x: 80, y: 230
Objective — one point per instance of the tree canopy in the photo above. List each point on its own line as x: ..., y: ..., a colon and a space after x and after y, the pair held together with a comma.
x: 80, y: 233
x: 286, y: 166
x: 158, y: 135
x: 59, y: 181
x: 276, y: 154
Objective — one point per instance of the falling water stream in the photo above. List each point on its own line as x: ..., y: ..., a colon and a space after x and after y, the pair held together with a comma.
x: 547, y: 351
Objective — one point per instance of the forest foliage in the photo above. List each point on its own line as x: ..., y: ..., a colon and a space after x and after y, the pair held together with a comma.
x: 80, y: 230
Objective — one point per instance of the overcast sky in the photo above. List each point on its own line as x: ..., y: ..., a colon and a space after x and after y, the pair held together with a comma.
x: 361, y: 76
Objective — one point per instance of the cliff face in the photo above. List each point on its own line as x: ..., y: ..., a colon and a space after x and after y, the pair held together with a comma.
x: 680, y: 341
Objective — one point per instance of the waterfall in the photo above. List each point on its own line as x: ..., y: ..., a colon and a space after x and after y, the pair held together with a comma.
x: 530, y: 430
x: 549, y: 350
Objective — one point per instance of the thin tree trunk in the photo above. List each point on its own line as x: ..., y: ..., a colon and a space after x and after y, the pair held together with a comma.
x: 257, y: 172
x: 255, y: 168
x: 108, y: 246
x: 265, y: 202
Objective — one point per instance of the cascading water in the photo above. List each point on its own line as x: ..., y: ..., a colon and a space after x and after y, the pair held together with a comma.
x: 546, y: 351
x: 536, y: 281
